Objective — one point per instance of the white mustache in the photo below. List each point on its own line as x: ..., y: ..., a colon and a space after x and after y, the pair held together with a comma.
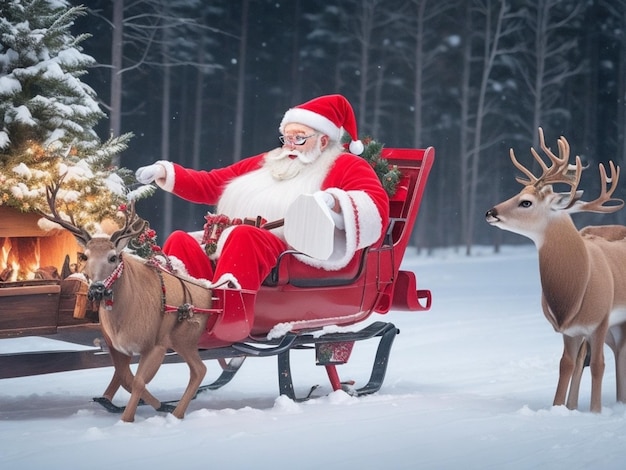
x: 304, y: 158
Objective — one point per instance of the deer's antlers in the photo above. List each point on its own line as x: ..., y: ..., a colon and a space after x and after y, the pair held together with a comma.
x: 561, y: 171
x: 51, y: 195
x: 133, y: 225
x: 599, y: 204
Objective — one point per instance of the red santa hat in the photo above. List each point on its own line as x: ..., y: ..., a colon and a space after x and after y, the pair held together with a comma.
x: 330, y: 114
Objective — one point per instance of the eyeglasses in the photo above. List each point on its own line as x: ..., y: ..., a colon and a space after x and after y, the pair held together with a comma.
x: 295, y: 140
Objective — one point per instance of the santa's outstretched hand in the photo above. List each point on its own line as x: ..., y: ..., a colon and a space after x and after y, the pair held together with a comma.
x: 150, y: 173
x: 328, y: 200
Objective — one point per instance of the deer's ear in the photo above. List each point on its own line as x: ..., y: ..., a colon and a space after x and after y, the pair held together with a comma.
x: 81, y: 241
x: 562, y: 201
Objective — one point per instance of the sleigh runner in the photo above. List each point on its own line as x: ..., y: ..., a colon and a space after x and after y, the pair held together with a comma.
x: 293, y: 306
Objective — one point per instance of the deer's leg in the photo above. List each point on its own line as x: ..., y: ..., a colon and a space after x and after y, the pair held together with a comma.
x: 149, y: 364
x: 596, y: 342
x: 123, y: 376
x: 579, y: 365
x: 620, y: 372
x: 120, y: 363
x: 566, y: 368
x: 616, y: 339
x: 197, y: 371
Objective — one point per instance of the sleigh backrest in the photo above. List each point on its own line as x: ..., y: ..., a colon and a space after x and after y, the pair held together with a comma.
x: 404, y: 205
x: 414, y: 166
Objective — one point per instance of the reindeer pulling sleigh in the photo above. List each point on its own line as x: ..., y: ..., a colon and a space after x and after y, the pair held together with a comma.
x: 147, y: 311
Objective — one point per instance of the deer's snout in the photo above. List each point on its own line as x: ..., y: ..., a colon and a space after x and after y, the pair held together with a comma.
x: 97, y: 291
x: 492, y: 215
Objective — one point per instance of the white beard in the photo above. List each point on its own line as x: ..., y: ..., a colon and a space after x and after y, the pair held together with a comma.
x: 284, y: 166
x: 270, y: 190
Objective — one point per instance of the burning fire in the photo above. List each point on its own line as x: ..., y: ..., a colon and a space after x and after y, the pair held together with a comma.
x: 19, y: 258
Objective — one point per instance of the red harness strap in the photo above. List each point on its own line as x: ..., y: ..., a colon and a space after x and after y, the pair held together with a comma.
x: 186, y: 309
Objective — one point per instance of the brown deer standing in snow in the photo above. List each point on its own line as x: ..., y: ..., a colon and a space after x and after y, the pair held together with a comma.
x: 583, y: 273
x: 133, y: 297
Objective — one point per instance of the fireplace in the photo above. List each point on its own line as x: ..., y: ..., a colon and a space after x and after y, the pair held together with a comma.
x: 37, y: 292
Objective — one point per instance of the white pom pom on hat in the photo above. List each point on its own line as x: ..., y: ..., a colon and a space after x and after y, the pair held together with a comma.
x: 330, y: 114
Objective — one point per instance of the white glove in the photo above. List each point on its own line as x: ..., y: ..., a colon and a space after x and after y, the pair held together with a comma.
x: 150, y: 173
x: 328, y: 200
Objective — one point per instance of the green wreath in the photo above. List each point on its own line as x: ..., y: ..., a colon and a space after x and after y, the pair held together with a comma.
x: 389, y: 175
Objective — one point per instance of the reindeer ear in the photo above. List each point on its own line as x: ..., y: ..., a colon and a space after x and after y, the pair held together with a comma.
x: 81, y: 241
x: 564, y: 201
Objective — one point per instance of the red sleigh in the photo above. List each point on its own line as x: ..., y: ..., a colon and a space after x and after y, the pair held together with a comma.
x: 294, y: 304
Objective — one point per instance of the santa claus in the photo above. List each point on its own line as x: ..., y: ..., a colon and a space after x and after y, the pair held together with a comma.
x: 312, y: 161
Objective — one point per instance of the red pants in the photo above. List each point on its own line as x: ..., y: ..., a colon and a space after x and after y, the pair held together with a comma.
x: 249, y: 254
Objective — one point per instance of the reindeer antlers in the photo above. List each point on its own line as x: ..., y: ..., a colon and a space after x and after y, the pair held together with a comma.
x: 133, y: 225
x: 51, y: 196
x: 562, y: 172
x: 598, y: 205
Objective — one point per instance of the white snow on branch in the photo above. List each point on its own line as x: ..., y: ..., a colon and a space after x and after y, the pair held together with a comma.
x: 115, y: 184
x: 21, y: 191
x: 23, y: 170
x: 9, y: 85
x: 4, y: 140
x: 22, y: 114
x: 68, y: 195
x: 80, y: 171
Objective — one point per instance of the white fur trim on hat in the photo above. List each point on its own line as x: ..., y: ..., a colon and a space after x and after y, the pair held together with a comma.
x: 313, y: 120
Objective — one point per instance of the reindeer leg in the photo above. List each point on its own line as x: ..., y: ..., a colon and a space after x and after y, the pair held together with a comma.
x: 149, y: 364
x: 597, y: 366
x: 616, y: 339
x: 620, y: 372
x: 574, y: 388
x: 122, y: 376
x: 566, y: 368
x: 120, y: 362
x: 197, y: 371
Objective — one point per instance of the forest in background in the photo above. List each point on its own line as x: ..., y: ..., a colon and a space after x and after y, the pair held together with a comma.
x: 206, y: 83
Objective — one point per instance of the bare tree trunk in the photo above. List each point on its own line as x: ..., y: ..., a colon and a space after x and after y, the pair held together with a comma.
x: 365, y: 36
x: 621, y: 102
x: 182, y: 117
x: 197, y: 123
x: 465, y: 130
x: 419, y: 74
x: 296, y: 76
x: 117, y: 46
x: 493, y: 34
x: 546, y: 78
x: 377, y: 105
x: 241, y: 84
x: 165, y: 132
x: 542, y: 21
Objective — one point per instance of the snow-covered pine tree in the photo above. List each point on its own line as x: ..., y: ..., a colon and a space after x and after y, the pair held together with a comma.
x: 47, y: 117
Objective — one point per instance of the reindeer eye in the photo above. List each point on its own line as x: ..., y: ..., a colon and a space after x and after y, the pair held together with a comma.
x: 81, y: 257
x: 113, y: 259
x: 525, y: 204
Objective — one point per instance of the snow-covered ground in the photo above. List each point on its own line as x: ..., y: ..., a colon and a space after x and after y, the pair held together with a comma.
x: 469, y: 385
